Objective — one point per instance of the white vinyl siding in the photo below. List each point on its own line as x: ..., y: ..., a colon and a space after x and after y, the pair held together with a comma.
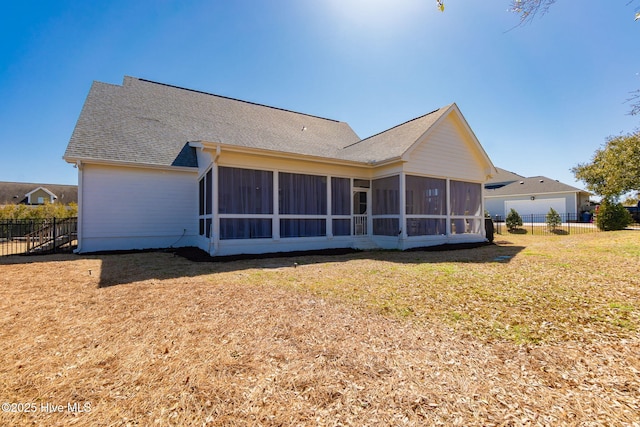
x: 134, y: 208
x: 446, y: 153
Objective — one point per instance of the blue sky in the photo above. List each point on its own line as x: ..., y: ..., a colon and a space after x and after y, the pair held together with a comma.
x: 540, y: 98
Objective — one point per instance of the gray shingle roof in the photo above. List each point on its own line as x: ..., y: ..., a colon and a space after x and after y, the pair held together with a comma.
x: 151, y: 123
x: 504, y: 177
x: 531, y: 186
x: 393, y: 142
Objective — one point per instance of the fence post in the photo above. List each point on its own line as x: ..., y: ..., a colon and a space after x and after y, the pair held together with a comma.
x: 532, y: 226
x: 55, y: 232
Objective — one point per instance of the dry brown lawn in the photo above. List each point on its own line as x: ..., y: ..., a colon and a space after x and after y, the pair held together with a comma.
x: 532, y: 331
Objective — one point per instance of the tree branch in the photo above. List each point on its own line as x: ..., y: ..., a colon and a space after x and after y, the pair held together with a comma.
x: 635, y: 103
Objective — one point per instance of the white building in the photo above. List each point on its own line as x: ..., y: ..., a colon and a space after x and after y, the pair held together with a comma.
x: 162, y: 166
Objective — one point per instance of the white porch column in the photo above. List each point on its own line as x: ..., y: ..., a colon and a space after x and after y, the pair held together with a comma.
x: 275, y: 224
x: 215, y: 219
x: 448, y: 207
x: 403, y: 208
x: 329, y: 209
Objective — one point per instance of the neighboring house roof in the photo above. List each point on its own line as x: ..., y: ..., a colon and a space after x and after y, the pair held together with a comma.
x: 13, y: 193
x: 502, y: 178
x: 30, y: 194
x: 533, y: 185
x: 151, y: 123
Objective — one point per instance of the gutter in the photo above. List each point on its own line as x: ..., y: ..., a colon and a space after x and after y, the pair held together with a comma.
x: 218, y: 146
x: 89, y: 160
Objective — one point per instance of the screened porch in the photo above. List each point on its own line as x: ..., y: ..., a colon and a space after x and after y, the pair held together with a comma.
x: 249, y: 204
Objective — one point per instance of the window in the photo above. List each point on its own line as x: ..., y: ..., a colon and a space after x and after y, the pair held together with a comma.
x: 466, y: 198
x: 303, y: 227
x: 209, y: 193
x: 386, y: 226
x: 245, y: 203
x: 201, y: 197
x: 245, y: 228
x: 205, y: 191
x: 426, y: 196
x: 386, y: 206
x: 426, y: 206
x: 302, y: 194
x: 341, y: 206
x: 466, y: 207
x: 362, y: 183
x: 341, y: 227
x: 340, y: 196
x: 245, y: 191
x: 386, y: 196
x: 426, y: 226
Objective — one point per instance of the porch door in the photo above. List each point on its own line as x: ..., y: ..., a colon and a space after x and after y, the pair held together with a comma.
x: 360, y: 200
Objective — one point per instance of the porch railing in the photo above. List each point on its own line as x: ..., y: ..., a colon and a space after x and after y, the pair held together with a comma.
x: 360, y: 225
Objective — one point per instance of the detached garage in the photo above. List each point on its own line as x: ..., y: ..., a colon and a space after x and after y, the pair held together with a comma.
x: 536, y: 207
x: 533, y: 196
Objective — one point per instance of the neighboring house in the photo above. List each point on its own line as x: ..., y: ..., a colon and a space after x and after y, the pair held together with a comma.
x: 163, y: 166
x: 532, y: 196
x: 14, y: 193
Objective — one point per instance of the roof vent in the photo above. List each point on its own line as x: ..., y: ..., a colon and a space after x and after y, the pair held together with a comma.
x: 542, y: 180
x: 521, y: 182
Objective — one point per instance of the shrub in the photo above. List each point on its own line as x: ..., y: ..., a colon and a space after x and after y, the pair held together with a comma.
x: 612, y: 216
x: 553, y: 219
x: 513, y: 220
x: 48, y: 210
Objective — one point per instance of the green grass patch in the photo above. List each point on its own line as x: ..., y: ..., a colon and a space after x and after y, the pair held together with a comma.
x: 549, y: 289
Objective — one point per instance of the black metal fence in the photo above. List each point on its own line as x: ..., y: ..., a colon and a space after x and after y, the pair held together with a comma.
x: 37, y: 236
x: 539, y: 224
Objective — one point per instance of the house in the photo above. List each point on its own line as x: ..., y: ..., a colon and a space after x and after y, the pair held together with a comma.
x: 163, y: 166
x: 14, y: 193
x: 533, y: 196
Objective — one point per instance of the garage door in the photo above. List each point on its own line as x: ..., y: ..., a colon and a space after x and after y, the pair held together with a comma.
x: 538, y: 207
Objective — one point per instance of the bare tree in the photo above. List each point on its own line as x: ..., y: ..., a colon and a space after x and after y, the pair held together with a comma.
x: 529, y: 9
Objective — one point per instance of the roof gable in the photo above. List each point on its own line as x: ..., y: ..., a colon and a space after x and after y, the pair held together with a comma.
x: 43, y: 189
x: 392, y: 143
